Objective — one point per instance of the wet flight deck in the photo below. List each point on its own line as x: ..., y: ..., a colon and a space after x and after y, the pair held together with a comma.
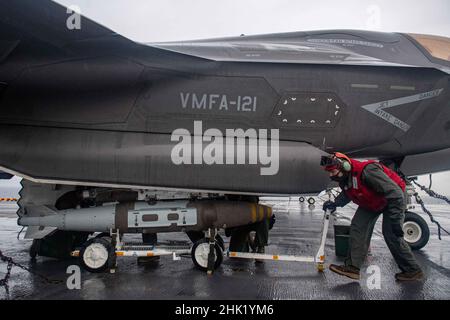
x: 296, y: 232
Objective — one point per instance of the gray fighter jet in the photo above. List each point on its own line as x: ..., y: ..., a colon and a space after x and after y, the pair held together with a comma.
x: 89, y: 118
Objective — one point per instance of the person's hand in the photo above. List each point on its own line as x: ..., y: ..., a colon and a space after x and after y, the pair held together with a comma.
x: 329, y: 205
x: 397, y: 230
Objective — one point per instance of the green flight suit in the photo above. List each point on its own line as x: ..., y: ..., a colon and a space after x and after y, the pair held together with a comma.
x: 363, y: 222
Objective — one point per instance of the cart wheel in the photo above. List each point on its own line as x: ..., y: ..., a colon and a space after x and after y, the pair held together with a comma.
x: 311, y: 200
x: 103, y: 235
x: 220, y: 241
x: 95, y: 255
x: 200, y: 251
x: 416, y: 231
x: 320, y: 267
x: 301, y: 199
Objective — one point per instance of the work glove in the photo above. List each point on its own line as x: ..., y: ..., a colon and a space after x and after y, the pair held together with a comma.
x: 397, y: 230
x: 329, y: 205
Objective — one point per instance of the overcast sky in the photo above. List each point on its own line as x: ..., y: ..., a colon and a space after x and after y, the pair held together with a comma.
x: 170, y: 20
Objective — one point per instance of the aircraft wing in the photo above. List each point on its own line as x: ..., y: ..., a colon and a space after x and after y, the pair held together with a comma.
x: 45, y: 24
x: 45, y: 32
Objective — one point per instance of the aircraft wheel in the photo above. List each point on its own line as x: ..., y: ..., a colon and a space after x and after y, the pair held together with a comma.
x: 301, y: 199
x: 95, y: 255
x: 416, y: 231
x: 200, y: 251
x: 311, y: 200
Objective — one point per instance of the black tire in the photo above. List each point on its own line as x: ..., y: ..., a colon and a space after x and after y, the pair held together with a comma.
x: 103, y: 235
x: 220, y: 242
x: 412, y: 222
x: 202, y: 265
x: 311, y: 200
x: 301, y: 199
x: 85, y: 250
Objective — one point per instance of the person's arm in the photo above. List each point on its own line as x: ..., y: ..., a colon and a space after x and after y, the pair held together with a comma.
x: 341, y: 200
x: 374, y: 177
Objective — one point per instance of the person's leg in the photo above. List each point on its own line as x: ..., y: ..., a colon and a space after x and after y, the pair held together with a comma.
x: 370, y: 233
x: 262, y: 233
x: 399, y: 248
x: 261, y: 237
x: 361, y: 230
x: 239, y: 239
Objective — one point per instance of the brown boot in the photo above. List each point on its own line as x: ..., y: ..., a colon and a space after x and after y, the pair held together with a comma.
x: 348, y: 271
x: 410, y: 276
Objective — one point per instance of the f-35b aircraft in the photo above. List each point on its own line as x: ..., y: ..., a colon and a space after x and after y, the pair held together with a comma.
x: 95, y: 122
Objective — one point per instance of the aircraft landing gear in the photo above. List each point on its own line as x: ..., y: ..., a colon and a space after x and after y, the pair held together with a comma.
x: 310, y: 200
x: 417, y: 232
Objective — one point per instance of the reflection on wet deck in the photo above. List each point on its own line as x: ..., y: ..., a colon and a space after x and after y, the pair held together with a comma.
x: 297, y: 231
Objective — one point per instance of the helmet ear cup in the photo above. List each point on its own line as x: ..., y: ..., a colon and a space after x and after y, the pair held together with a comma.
x: 346, y: 166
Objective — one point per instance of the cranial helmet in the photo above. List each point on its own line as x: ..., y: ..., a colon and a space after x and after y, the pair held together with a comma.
x: 337, y: 161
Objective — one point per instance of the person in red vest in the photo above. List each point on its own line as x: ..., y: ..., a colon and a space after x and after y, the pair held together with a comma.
x: 376, y: 190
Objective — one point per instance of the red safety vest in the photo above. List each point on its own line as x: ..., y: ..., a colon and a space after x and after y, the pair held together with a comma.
x: 361, y: 194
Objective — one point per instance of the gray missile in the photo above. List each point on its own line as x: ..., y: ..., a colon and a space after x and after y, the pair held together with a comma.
x: 159, y: 216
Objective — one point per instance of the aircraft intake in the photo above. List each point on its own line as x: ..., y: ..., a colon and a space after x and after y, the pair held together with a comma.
x: 158, y: 216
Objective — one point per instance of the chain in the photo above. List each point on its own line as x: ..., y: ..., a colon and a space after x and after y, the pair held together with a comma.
x: 420, y: 201
x: 431, y: 193
x: 11, y: 263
